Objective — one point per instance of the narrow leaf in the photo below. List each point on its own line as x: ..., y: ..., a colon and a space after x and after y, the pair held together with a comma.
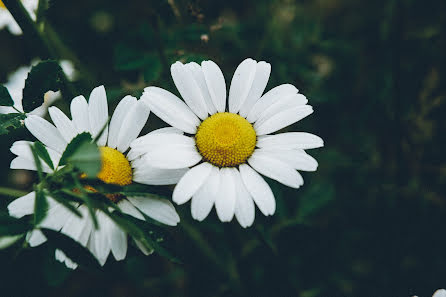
x: 40, y: 206
x: 43, y: 154
x: 5, y: 97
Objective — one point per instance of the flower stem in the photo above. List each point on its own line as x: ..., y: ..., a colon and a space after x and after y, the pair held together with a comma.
x: 11, y: 192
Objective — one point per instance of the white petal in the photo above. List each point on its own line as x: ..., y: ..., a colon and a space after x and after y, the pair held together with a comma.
x: 241, y: 84
x: 226, y: 195
x: 36, y: 238
x: 189, y: 89
x: 198, y: 75
x: 45, y: 133
x: 149, y: 175
x: 63, y: 123
x: 132, y: 125
x: 275, y: 169
x: 117, y: 120
x: 290, y: 140
x: 297, y: 159
x: 170, y: 109
x: 204, y: 198
x: 156, y: 208
x: 24, y: 163
x: 98, y: 114
x: 174, y: 157
x: 268, y: 99
x: 153, y: 141
x: 22, y: 149
x: 440, y: 293
x: 75, y: 226
x: 128, y: 208
x: 117, y: 241
x: 61, y: 257
x: 79, y: 114
x: 263, y: 70
x: 283, y: 119
x: 259, y: 190
x: 101, y: 242
x: 216, y: 85
x: 167, y: 130
x: 143, y: 249
x: 244, y: 205
x: 56, y: 217
x: 191, y: 182
x: 22, y: 206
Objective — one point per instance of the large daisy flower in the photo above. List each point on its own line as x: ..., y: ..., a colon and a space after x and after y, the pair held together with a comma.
x: 7, y: 20
x: 16, y: 84
x: 228, y: 142
x: 126, y: 123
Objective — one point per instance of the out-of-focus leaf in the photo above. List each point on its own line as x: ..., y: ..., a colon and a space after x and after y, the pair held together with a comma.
x: 316, y: 197
x: 12, y: 226
x: 37, y: 161
x: 5, y: 97
x: 43, y: 154
x: 10, y: 122
x: 40, y: 206
x: 7, y: 241
x: 45, y: 76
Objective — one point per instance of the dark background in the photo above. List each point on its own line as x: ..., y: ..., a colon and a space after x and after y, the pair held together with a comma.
x: 370, y: 222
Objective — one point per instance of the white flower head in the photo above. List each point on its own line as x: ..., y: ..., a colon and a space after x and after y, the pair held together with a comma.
x: 7, y: 20
x: 16, y: 84
x: 440, y: 293
x: 127, y: 121
x: 229, y: 142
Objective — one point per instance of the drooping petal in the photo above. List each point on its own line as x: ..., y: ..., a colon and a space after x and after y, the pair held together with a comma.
x: 101, y: 241
x: 66, y: 128
x: 189, y: 89
x: 283, y: 119
x: 226, y: 195
x: 244, y: 205
x: 79, y: 114
x: 117, y: 120
x: 98, y: 114
x: 27, y: 164
x: 241, y: 84
x: 45, y: 133
x: 157, y: 208
x: 216, y: 85
x: 290, y: 140
x: 35, y: 238
x: 204, y: 198
x: 170, y: 109
x: 275, y: 169
x: 117, y: 240
x: 191, y: 182
x: 263, y: 70
x: 259, y: 190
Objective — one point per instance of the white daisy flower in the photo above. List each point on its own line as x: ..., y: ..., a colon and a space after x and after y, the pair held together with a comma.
x: 7, y: 20
x: 440, y: 293
x: 127, y: 121
x: 16, y: 84
x: 228, y: 145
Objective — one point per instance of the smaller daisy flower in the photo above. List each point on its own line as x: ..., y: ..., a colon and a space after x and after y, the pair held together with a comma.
x: 228, y: 143
x: 440, y: 293
x: 16, y: 84
x: 7, y: 20
x: 126, y: 123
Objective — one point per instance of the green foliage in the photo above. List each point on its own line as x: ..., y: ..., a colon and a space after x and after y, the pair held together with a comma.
x: 10, y: 121
x: 43, y: 154
x: 40, y: 206
x: 5, y: 97
x: 45, y: 76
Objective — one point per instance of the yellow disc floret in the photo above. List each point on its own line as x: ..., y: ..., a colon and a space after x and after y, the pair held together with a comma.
x: 225, y: 139
x: 2, y: 5
x: 116, y: 168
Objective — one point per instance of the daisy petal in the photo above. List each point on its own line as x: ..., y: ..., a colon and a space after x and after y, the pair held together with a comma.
x: 440, y: 293
x: 22, y: 163
x: 198, y: 75
x: 204, y: 198
x: 297, y: 159
x: 226, y: 195
x: 101, y: 242
x: 117, y: 241
x: 290, y: 140
x: 269, y: 98
x: 258, y: 188
x: 36, y: 238
x: 98, y: 114
x: 241, y: 84
x: 189, y: 89
x: 45, y: 133
x: 191, y: 182
x: 275, y: 169
x: 283, y: 119
x: 117, y: 120
x: 157, y: 208
x: 61, y: 257
x: 66, y: 128
x: 149, y: 175
x: 244, y: 205
x: 126, y: 207
x: 216, y: 85
x: 174, y: 157
x: 79, y: 113
x: 143, y: 249
x: 132, y: 125
x: 170, y: 109
x: 22, y: 206
x: 263, y: 70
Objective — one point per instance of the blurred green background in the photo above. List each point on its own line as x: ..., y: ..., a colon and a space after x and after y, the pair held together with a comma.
x: 370, y: 222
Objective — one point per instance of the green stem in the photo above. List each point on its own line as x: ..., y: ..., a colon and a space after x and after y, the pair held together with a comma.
x: 12, y: 192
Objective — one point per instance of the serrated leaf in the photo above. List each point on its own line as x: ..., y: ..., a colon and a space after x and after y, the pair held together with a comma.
x: 40, y: 207
x: 7, y: 241
x: 12, y: 226
x: 11, y: 121
x: 83, y: 154
x: 5, y: 97
x: 43, y: 154
x: 45, y: 76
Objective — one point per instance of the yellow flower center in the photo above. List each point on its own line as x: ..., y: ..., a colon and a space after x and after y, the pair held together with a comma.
x: 116, y: 168
x: 2, y: 5
x: 225, y: 139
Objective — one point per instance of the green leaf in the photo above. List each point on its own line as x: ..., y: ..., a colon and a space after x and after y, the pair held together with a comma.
x: 10, y: 121
x: 40, y: 206
x: 5, y: 98
x: 7, y: 241
x: 66, y: 201
x: 45, y: 76
x: 83, y: 154
x: 43, y: 154
x: 152, y: 69
x: 12, y: 226
x: 71, y: 248
x: 37, y: 161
